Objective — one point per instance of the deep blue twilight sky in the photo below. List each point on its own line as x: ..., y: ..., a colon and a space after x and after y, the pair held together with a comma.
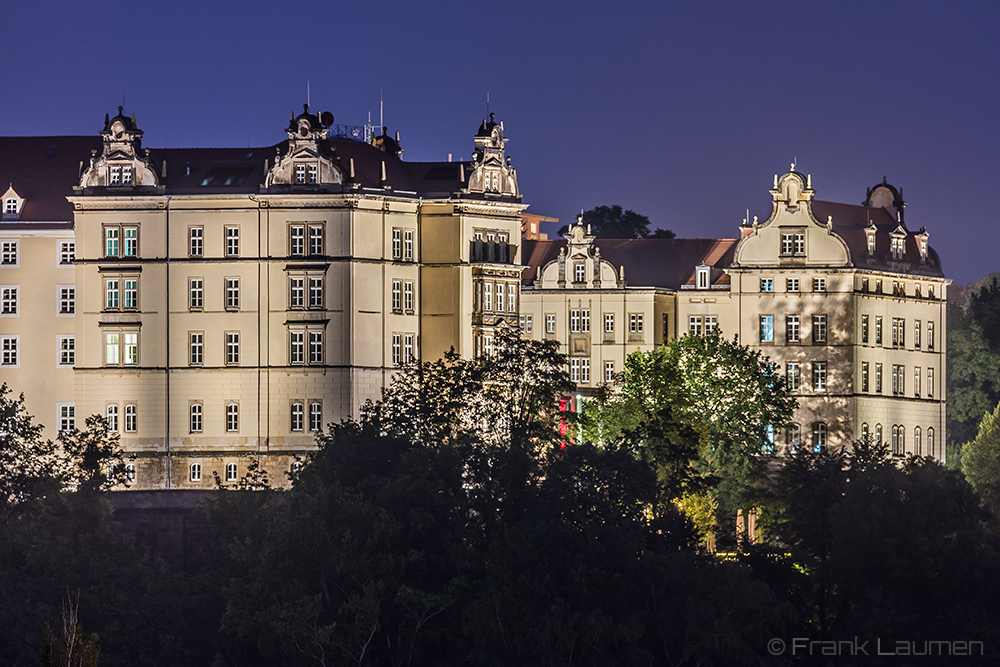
x: 682, y: 111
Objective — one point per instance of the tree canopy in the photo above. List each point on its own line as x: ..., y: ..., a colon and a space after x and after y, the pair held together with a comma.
x: 973, y: 358
x: 981, y: 461
x: 612, y: 222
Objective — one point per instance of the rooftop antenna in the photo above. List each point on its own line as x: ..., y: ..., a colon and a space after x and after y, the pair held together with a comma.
x: 308, y: 100
x: 381, y: 122
x: 487, y: 104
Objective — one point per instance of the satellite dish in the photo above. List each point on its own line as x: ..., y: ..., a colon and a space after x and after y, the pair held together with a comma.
x: 326, y: 118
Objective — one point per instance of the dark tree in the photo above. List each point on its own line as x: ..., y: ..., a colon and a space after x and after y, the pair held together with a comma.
x: 973, y: 358
x: 612, y: 222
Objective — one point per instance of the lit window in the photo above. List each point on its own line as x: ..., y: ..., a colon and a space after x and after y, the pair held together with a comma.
x: 864, y: 431
x: 930, y: 442
x: 819, y: 376
x: 792, y: 376
x: 195, y: 293
x: 111, y: 351
x: 792, y: 329
x: 579, y: 272
x: 315, y: 416
x: 112, y: 412
x: 8, y: 346
x: 766, y: 284
x: 67, y: 350
x: 232, y: 293
x: 195, y: 475
x: 864, y: 329
x: 233, y: 417
x: 878, y: 378
x: 121, y: 348
x: 232, y: 241
x: 131, y: 346
x: 878, y: 329
x: 196, y: 341
x: 131, y: 418
x: 609, y: 371
x: 195, y: 418
x: 115, y: 174
x: 916, y: 441
x: 864, y: 376
x: 916, y: 334
x: 916, y: 381
x: 767, y: 328
x: 878, y: 433
x: 300, y: 174
x: 232, y: 348
x: 312, y: 174
x: 930, y: 335
x: 819, y: 328
x: 298, y: 416
x: 550, y: 323
x: 196, y: 241
x: 230, y: 472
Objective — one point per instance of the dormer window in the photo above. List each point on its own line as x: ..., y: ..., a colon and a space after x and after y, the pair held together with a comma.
x: 115, y: 175
x: 311, y: 178
x: 127, y: 174
x: 300, y: 174
x: 701, y: 277
x: 898, y: 246
x: 580, y: 272
x: 871, y: 241
x: 10, y: 206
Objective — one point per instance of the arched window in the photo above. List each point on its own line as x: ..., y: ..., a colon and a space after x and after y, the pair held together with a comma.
x: 296, y: 469
x: 819, y: 436
x: 878, y: 434
x: 895, y: 440
x: 864, y: 431
x: 195, y: 472
x: 916, y: 441
x: 130, y: 473
x: 930, y: 442
x: 230, y: 472
x: 793, y: 437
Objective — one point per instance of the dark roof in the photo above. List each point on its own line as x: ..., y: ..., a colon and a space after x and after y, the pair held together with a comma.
x: 44, y: 170
x: 850, y: 222
x: 666, y: 263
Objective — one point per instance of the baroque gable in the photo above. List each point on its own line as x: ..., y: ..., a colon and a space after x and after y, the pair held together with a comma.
x: 308, y: 161
x: 492, y: 172
x: 123, y: 163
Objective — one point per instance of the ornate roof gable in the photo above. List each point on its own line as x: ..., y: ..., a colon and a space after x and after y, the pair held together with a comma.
x: 306, y: 162
x: 123, y: 163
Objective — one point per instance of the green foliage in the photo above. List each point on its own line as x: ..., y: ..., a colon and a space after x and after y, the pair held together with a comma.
x: 611, y: 222
x: 981, y: 461
x: 254, y: 479
x: 98, y: 459
x: 973, y: 358
x: 30, y: 467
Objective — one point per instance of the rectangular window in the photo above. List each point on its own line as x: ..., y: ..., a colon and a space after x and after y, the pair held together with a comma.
x: 112, y: 412
x: 195, y: 472
x: 800, y: 244
x: 397, y: 295
x: 67, y: 350
x: 8, y: 346
x: 512, y: 298
x: 635, y: 323
x: 296, y: 292
x: 916, y: 381
x: 232, y: 293
x: 131, y: 235
x: 8, y: 300
x: 819, y: 376
x: 766, y: 284
x: 131, y: 293
x: 792, y: 376
x: 8, y: 253
x: 550, y: 323
x: 111, y: 239
x: 579, y: 272
x: 298, y: 416
x: 316, y: 240
x: 574, y: 370
x: 196, y: 292
x: 67, y: 300
x: 397, y: 349
x: 233, y: 417
x: 111, y: 294
x: 791, y: 284
x: 792, y: 329
x: 488, y: 296
x: 574, y: 321
x: 315, y: 416
x: 767, y: 328
x: 131, y: 418
x: 819, y: 328
x: 300, y: 174
x: 408, y: 348
x: 930, y: 335
x: 196, y: 242
x: 878, y: 329
x: 585, y: 321
x: 408, y: 296
x: 232, y: 348
x: 67, y: 417
x: 864, y: 329
x: 819, y: 284
x: 67, y: 252
x: 397, y: 243
x: 196, y: 347
x: 296, y: 240
x: 408, y: 245
x: 585, y: 370
x: 711, y: 324
x: 195, y: 418
x: 315, y: 347
x: 127, y: 174
x: 112, y: 343
x: 500, y: 295
x: 131, y: 348
x: 694, y: 325
x: 609, y: 322
x: 786, y: 244
x: 609, y: 371
x: 864, y: 376
x: 316, y: 292
x: 878, y: 378
x: 296, y: 349
x: 916, y: 334
x: 701, y: 273
x: 232, y: 241
x: 527, y: 324
x: 930, y: 383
